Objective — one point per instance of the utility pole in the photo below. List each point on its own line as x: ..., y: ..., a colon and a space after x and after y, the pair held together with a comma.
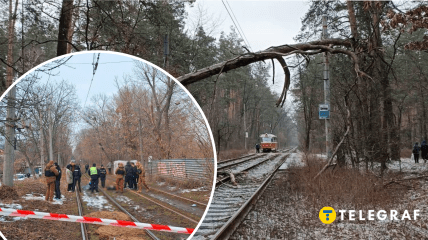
x: 8, y: 165
x: 42, y: 143
x: 326, y: 88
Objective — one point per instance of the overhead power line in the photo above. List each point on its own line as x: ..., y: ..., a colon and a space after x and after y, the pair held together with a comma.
x: 238, y: 27
x: 94, y: 70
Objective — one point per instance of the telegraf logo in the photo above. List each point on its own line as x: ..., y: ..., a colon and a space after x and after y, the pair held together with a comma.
x: 327, y: 215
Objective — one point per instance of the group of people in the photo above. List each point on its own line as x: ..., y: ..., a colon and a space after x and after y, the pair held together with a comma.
x: 423, y: 149
x: 131, y: 174
x: 96, y: 174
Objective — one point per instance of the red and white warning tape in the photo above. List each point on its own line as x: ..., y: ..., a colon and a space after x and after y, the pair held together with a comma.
x: 82, y: 219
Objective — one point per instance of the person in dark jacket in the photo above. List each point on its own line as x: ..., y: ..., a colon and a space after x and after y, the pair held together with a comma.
x: 76, y: 178
x: 134, y: 176
x: 94, y: 173
x: 103, y: 174
x: 50, y: 176
x: 109, y: 167
x: 415, y: 151
x: 257, y: 148
x: 129, y: 174
x: 57, y: 182
x: 86, y: 168
x: 424, y: 151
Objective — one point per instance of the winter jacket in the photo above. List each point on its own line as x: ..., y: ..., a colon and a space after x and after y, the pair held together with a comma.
x: 93, y: 172
x: 69, y: 176
x: 134, y: 171
x: 77, y: 173
x: 416, y: 149
x: 129, y: 170
x: 140, y: 171
x: 102, y: 172
x: 120, y: 172
x: 58, y: 178
x: 424, y: 148
x: 50, y: 172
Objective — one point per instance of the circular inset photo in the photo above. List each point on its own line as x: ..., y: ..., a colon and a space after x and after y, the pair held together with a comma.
x: 103, y: 145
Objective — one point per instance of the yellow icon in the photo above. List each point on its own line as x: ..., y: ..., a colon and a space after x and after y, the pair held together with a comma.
x: 327, y: 215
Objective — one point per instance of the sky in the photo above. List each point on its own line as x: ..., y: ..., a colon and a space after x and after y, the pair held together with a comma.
x: 264, y: 23
x: 79, y: 71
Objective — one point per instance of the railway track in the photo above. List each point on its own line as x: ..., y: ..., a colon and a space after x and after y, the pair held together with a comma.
x: 242, y: 166
x: 115, y: 203
x: 230, y: 204
x: 82, y: 225
x: 151, y: 234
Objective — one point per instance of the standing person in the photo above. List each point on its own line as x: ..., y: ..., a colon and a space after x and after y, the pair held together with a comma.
x: 69, y: 177
x: 76, y: 178
x: 93, y: 172
x: 50, y: 174
x: 257, y: 148
x: 109, y: 167
x: 58, y: 182
x: 142, y: 177
x: 129, y: 174
x: 102, y: 174
x: 416, y: 149
x: 424, y: 151
x: 120, y: 172
x: 134, y: 176
x: 87, y: 168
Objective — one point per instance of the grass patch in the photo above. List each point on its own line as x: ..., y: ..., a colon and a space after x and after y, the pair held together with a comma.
x: 342, y: 187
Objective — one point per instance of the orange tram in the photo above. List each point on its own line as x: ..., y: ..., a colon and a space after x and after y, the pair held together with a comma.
x: 268, y: 142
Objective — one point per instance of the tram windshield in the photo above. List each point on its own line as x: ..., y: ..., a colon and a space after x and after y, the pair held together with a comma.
x: 266, y: 139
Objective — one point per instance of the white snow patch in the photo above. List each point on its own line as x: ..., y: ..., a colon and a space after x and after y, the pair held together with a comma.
x: 172, y: 188
x: 124, y: 199
x: 12, y: 205
x: 161, y: 183
x: 96, y: 201
x: 42, y: 198
x: 193, y: 190
x: 295, y: 159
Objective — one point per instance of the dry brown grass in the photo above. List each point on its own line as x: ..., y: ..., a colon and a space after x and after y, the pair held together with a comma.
x: 406, y: 153
x: 233, y: 153
x: 343, y: 187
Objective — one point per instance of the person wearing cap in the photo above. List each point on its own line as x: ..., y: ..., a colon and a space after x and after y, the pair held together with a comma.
x: 102, y: 174
x: 76, y: 178
x: 141, y: 178
x: 120, y: 173
x: 94, y: 173
x: 57, y: 182
x: 69, y: 177
x: 50, y: 174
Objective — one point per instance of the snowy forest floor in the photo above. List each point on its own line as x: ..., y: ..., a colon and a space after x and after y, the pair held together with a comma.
x: 294, y: 214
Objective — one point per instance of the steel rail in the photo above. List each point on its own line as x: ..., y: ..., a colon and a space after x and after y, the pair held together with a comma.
x: 82, y: 225
x: 233, y: 159
x: 232, y: 224
x: 227, y: 178
x: 150, y: 233
x: 220, y: 166
x: 187, y: 199
x: 181, y: 215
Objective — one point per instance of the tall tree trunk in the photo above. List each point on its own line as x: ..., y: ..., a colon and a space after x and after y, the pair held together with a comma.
x: 65, y: 24
x: 8, y: 168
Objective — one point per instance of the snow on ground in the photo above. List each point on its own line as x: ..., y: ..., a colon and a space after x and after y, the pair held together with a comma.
x: 13, y: 206
x: 408, y: 165
x: 193, y: 190
x: 95, y: 200
x: 295, y: 159
x: 122, y: 198
x: 42, y: 198
x: 161, y: 183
